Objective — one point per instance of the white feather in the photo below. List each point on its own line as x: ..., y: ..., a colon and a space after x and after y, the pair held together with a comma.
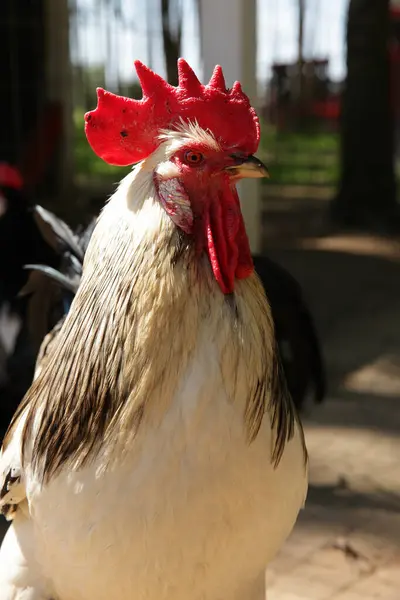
x: 194, y: 512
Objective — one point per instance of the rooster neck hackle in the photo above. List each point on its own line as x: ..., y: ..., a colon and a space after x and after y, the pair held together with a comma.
x: 126, y: 339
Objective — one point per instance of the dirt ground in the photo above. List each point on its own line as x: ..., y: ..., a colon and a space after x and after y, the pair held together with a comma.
x: 346, y: 545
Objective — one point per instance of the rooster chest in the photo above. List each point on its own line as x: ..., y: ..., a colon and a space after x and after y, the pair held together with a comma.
x: 194, y: 511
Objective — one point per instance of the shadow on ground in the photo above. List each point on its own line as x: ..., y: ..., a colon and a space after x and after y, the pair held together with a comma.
x: 340, y: 496
x: 352, y: 283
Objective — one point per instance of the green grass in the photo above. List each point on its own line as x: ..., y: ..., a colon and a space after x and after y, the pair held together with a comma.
x: 312, y: 142
x: 301, y: 158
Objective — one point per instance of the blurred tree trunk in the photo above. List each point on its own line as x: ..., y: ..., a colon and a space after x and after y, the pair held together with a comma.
x: 367, y: 192
x: 171, y: 17
x: 300, y: 49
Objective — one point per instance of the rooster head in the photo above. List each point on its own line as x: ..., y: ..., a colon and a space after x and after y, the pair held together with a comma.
x: 200, y: 141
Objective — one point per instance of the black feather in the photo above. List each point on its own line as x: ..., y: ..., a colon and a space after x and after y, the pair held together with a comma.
x: 294, y: 326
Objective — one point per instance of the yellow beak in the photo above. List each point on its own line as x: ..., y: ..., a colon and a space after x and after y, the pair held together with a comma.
x: 251, y: 167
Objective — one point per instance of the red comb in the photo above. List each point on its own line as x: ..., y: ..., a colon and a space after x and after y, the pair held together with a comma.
x: 10, y: 177
x: 123, y: 131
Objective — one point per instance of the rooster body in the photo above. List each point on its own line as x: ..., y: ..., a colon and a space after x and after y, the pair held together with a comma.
x: 157, y: 454
x: 197, y: 513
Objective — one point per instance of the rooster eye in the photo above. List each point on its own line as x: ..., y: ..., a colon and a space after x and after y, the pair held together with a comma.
x: 193, y: 158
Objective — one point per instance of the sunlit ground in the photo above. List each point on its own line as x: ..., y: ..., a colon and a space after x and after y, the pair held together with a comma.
x: 347, y: 542
x: 346, y: 545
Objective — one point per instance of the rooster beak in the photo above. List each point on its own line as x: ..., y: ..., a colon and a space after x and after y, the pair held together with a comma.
x: 249, y: 167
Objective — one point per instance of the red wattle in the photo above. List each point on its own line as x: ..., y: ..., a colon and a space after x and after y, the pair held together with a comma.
x: 227, y: 242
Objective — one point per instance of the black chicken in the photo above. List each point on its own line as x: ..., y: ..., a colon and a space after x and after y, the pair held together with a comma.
x: 20, y: 242
x: 28, y: 235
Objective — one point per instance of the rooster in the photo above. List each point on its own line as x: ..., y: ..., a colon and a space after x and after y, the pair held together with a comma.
x: 28, y: 234
x: 158, y: 453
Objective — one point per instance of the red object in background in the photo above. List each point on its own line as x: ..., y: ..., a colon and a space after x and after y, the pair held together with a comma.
x: 41, y: 144
x: 10, y: 177
x: 395, y: 12
x: 394, y: 57
x: 328, y: 109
